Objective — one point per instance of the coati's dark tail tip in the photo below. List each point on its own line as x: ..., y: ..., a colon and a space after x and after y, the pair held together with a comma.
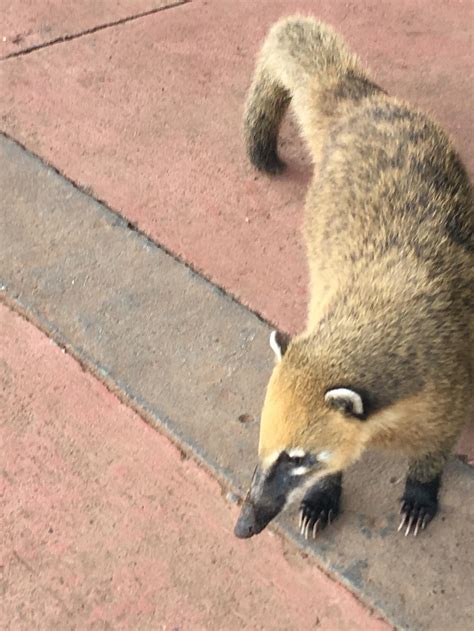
x: 266, y: 161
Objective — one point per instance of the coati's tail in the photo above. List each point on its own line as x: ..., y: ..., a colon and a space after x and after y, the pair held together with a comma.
x: 305, y: 61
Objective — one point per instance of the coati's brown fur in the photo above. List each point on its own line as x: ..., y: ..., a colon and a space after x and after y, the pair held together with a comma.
x: 388, y: 226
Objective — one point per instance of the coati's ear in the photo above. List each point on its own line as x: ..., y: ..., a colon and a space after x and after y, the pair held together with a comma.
x: 347, y: 401
x: 279, y: 343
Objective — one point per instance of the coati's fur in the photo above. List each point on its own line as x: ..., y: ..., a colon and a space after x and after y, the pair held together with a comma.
x: 388, y: 226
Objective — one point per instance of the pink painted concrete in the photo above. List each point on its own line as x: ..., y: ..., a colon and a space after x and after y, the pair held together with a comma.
x: 26, y: 23
x: 104, y: 525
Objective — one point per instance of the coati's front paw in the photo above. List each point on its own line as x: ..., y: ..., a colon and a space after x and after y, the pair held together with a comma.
x: 320, y: 506
x: 419, y: 505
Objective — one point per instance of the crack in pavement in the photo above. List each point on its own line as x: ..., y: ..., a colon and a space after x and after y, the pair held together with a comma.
x: 100, y: 27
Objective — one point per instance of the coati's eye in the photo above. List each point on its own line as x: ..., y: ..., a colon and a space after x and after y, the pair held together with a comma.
x: 297, y: 460
x: 295, y: 464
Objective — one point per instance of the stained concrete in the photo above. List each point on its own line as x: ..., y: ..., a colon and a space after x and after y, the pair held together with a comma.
x: 148, y: 115
x: 28, y: 24
x: 193, y: 361
x: 106, y: 526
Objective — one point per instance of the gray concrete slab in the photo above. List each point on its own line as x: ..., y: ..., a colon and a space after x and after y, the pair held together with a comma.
x: 194, y: 362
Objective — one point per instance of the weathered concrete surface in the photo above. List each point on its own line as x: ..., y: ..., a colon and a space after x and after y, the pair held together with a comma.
x: 105, y: 526
x: 29, y: 23
x: 148, y: 116
x: 193, y: 362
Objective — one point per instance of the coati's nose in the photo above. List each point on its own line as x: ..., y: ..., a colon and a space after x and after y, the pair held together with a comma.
x: 246, y: 525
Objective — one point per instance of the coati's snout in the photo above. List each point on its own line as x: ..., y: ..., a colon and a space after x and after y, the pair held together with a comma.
x: 252, y: 519
x: 263, y: 502
x: 272, y: 488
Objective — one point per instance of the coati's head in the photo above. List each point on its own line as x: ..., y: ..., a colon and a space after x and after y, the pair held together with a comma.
x: 307, y: 431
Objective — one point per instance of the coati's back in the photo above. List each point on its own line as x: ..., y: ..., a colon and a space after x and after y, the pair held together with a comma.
x: 390, y: 200
x: 388, y: 214
x: 389, y: 236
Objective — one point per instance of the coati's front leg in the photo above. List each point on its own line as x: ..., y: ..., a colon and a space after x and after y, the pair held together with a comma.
x: 419, y: 503
x: 320, y: 505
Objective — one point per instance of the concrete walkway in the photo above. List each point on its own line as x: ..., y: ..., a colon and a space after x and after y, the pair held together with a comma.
x: 106, y: 525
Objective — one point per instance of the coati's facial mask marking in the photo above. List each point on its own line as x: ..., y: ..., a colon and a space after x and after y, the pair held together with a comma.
x: 273, y: 483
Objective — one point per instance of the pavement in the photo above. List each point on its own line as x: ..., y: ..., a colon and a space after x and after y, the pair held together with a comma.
x: 140, y: 268
x: 120, y: 530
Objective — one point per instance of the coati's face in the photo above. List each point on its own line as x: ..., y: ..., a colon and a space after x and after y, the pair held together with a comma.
x: 305, y: 434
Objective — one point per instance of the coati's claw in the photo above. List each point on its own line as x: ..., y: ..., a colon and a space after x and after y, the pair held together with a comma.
x: 330, y: 514
x: 402, y: 523
x: 418, y: 507
x: 410, y: 524
x: 419, y: 522
x: 306, y: 530
x: 304, y: 525
x: 314, y: 521
x: 415, y: 518
x: 417, y: 526
x: 319, y: 508
x: 315, y: 528
x: 301, y: 519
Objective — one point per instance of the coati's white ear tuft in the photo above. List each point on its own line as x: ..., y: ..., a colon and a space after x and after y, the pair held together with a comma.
x: 347, y: 401
x: 279, y: 343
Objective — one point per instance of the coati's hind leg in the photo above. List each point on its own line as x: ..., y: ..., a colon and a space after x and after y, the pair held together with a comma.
x: 320, y: 505
x: 419, y: 503
x: 266, y: 105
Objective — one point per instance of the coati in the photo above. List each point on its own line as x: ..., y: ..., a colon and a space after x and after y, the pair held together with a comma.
x: 386, y: 356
